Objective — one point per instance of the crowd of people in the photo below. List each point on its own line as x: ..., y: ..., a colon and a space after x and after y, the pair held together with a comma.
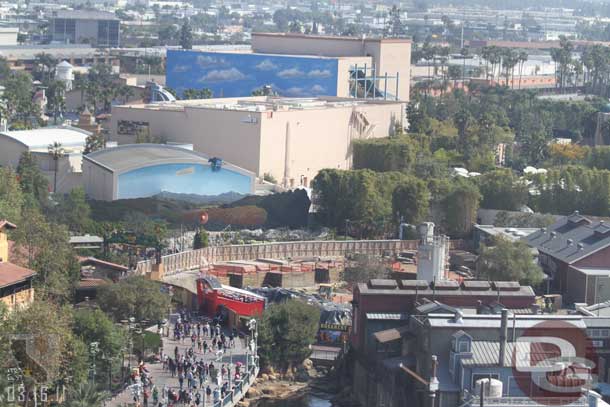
x: 200, y: 381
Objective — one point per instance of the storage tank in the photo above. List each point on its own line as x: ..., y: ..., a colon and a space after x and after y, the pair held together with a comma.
x: 492, y: 388
x: 64, y: 72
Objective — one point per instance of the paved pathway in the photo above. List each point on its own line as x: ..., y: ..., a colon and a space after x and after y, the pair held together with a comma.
x: 161, y: 378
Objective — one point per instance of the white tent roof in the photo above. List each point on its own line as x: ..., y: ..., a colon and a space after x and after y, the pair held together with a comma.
x: 42, y: 137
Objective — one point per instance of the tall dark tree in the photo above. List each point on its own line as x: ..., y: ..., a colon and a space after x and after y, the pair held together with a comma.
x: 186, y: 35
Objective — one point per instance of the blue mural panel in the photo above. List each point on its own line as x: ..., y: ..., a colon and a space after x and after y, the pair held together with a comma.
x: 235, y: 74
x: 182, y: 179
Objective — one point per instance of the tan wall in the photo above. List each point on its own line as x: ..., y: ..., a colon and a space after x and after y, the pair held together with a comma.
x: 307, y: 45
x: 344, y: 65
x: 20, y: 299
x: 99, y: 183
x: 214, y: 132
x: 4, y: 247
x: 318, y: 139
x: 392, y: 58
x: 10, y: 151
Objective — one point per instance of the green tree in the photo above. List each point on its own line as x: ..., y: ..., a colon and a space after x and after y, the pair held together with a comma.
x: 94, y: 142
x: 85, y: 395
x: 186, y: 35
x: 286, y: 333
x: 11, y: 197
x: 501, y: 189
x: 509, y: 261
x: 56, y: 103
x: 19, y: 106
x: 92, y: 325
x: 49, y: 253
x: 461, y: 207
x: 201, y: 239
x: 73, y: 211
x: 33, y: 182
x: 56, y: 151
x: 411, y: 201
x: 135, y: 297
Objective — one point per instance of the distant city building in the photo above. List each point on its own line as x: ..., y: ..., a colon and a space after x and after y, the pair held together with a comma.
x: 8, y: 35
x: 291, y: 139
x: 144, y: 170
x: 98, y: 28
x: 298, y: 65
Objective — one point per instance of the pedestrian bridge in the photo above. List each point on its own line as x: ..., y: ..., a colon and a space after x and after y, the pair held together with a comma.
x: 191, y: 260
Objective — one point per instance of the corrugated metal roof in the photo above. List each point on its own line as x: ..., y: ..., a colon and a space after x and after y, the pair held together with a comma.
x: 395, y: 316
x: 486, y: 354
x: 571, y: 238
x: 42, y: 137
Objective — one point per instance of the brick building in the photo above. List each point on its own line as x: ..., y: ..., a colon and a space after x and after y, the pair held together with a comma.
x: 575, y: 253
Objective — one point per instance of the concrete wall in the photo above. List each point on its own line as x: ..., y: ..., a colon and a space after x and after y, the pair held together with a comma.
x: 99, y: 182
x: 221, y: 133
x: 10, y: 151
x: 318, y: 138
x: 393, y: 57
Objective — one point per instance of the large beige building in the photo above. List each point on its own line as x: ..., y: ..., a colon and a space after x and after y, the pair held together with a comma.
x: 289, y: 138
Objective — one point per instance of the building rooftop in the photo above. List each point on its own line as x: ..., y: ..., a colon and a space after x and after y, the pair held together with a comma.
x: 260, y: 104
x: 571, y: 238
x: 84, y: 15
x: 494, y: 321
x: 12, y: 274
x: 508, y: 233
x: 486, y: 353
x: 453, y: 288
x: 331, y: 37
x: 127, y: 157
x: 39, y: 139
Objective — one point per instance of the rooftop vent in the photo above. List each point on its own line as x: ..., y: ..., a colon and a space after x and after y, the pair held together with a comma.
x: 570, y: 242
x: 506, y: 285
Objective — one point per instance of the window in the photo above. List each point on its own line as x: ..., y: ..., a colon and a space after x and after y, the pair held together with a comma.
x: 605, y: 333
x: 597, y: 344
x: 464, y: 346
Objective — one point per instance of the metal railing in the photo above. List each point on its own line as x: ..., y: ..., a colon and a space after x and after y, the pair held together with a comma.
x: 241, y: 386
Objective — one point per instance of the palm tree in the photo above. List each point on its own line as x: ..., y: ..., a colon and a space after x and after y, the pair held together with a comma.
x: 56, y: 151
x: 85, y: 395
x: 521, y: 58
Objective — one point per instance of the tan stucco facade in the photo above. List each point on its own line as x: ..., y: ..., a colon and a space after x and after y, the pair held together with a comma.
x: 319, y: 136
x: 18, y: 300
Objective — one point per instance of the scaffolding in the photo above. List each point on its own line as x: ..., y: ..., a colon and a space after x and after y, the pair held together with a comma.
x: 364, y: 83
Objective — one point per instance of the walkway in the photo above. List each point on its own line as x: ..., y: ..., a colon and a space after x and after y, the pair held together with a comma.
x: 161, y: 378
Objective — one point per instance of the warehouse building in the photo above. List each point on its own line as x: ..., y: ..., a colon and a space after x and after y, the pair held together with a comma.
x: 64, y: 173
x: 144, y: 170
x: 298, y: 65
x: 290, y: 138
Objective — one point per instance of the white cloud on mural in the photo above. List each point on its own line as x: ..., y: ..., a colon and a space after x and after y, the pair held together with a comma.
x: 317, y: 73
x: 219, y: 75
x: 266, y: 65
x: 295, y: 91
x: 181, y: 68
x: 290, y: 73
x: 318, y: 89
x: 207, y: 61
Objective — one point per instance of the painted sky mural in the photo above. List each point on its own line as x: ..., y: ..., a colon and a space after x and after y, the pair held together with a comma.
x: 235, y: 74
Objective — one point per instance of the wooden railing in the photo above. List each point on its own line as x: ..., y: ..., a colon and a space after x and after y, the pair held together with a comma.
x: 196, y: 259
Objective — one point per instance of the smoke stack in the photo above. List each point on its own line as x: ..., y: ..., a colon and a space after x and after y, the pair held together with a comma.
x: 503, y: 336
